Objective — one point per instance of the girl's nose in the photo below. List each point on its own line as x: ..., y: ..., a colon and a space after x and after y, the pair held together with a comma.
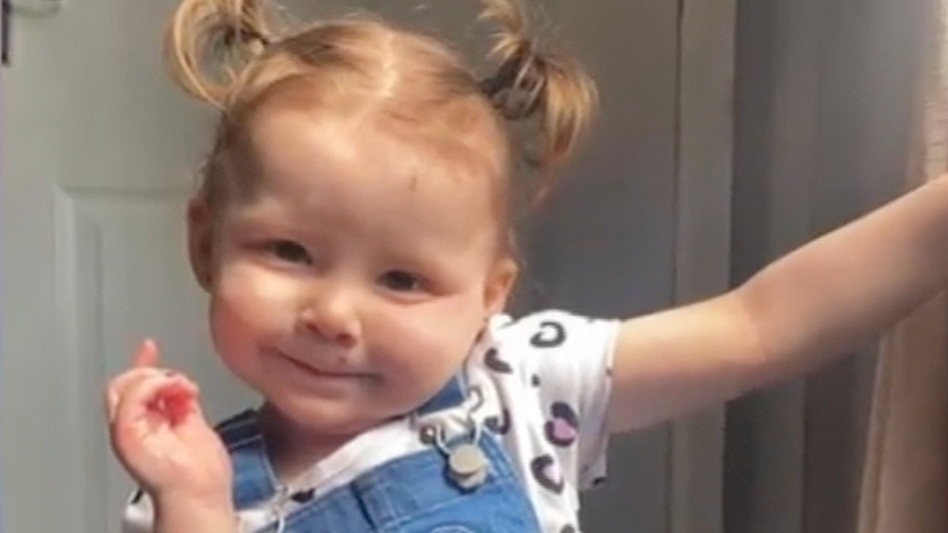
x: 330, y: 315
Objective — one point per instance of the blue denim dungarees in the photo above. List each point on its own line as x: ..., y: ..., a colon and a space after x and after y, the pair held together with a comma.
x: 410, y: 494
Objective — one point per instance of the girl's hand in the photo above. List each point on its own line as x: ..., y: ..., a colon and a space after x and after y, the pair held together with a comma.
x: 161, y: 436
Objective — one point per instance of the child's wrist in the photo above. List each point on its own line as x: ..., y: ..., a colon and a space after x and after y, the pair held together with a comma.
x: 188, y: 513
x: 220, y: 502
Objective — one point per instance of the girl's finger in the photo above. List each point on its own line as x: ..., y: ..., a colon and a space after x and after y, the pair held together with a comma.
x: 120, y: 384
x: 111, y: 402
x: 178, y: 401
x: 142, y: 399
x: 147, y: 355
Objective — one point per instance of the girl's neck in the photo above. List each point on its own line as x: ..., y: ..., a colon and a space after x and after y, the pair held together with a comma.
x: 293, y: 449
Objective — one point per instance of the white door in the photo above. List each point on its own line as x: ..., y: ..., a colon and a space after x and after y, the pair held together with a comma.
x: 97, y: 153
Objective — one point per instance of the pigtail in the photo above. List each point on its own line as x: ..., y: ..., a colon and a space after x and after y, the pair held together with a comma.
x: 530, y: 82
x: 208, y: 42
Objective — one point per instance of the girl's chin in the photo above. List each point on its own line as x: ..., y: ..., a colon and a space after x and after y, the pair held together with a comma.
x: 319, y: 417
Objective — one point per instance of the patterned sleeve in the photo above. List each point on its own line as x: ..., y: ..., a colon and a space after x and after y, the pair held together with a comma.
x: 567, y: 359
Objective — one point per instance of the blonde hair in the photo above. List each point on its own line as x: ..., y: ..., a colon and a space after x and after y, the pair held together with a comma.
x: 240, y: 54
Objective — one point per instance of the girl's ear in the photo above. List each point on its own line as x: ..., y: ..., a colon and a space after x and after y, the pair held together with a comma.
x: 499, y: 285
x: 200, y: 240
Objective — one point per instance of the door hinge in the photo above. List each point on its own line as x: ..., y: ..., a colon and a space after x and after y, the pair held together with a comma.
x: 6, y: 13
x: 25, y: 8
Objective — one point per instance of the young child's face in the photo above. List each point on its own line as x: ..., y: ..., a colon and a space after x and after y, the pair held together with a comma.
x: 353, y: 282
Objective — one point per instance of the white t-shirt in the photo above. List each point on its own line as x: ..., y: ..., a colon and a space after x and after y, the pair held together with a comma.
x: 545, y: 384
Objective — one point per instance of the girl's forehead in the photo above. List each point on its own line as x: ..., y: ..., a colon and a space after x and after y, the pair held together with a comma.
x: 338, y: 170
x: 315, y: 155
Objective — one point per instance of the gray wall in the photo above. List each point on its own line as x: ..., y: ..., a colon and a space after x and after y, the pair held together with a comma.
x: 823, y: 109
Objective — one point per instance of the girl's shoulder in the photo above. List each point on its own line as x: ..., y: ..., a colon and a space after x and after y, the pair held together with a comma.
x: 551, y: 356
x: 550, y: 333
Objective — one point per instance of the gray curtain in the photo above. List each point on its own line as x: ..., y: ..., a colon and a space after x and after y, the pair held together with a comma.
x: 905, y: 482
x: 824, y: 106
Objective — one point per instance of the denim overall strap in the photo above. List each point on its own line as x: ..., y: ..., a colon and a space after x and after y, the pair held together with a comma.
x: 451, y: 395
x: 413, y: 495
x: 254, y: 480
x: 416, y: 494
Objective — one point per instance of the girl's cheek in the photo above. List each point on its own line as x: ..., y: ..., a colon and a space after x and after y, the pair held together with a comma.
x: 271, y: 296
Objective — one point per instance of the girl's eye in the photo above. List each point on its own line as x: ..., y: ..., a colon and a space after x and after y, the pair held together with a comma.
x: 401, y: 281
x: 289, y: 251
